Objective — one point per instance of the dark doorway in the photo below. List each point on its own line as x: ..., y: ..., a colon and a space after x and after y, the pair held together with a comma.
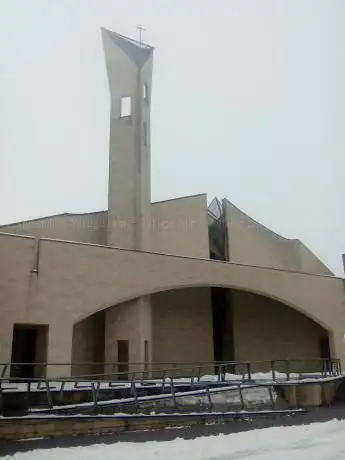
x: 325, y: 349
x: 222, y: 325
x: 29, y: 344
x: 219, y: 313
x: 122, y: 358
x: 325, y: 353
x: 146, y: 355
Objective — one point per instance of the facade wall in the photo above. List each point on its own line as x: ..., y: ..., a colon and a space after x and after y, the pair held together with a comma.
x: 84, y: 228
x: 309, y: 263
x: 182, y: 326
x: 180, y: 227
x: 75, y: 281
x: 266, y: 330
x: 251, y: 243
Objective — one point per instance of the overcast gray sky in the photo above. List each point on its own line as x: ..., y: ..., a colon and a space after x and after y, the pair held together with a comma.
x: 248, y: 104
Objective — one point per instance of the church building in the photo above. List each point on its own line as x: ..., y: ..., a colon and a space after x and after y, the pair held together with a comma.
x: 151, y: 285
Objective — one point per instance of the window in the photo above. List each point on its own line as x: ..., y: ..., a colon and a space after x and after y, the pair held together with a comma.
x: 125, y: 107
x: 145, y: 92
x: 145, y: 134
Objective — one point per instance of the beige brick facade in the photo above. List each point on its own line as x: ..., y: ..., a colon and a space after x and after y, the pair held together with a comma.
x: 75, y: 281
x: 182, y: 326
x: 268, y: 330
x: 253, y: 244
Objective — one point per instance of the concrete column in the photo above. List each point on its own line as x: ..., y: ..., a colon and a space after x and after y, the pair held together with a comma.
x: 60, y: 349
x: 337, y: 344
x: 329, y: 390
x: 130, y: 321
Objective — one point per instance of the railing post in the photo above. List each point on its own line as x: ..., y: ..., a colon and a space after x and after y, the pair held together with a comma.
x: 322, y: 367
x: 243, y: 371
x: 287, y: 369
x: 62, y: 387
x: 241, y: 396
x: 219, y: 373
x: 94, y: 396
x: 134, y: 394
x: 270, y: 391
x: 273, y: 371
x: 173, y: 393
x: 114, y: 371
x: 192, y: 377
x: 98, y: 390
x: 163, y: 380
x: 49, y: 395
x: 249, y: 371
x: 209, y: 398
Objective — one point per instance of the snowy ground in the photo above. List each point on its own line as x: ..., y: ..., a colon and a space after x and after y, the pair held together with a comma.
x: 319, y: 441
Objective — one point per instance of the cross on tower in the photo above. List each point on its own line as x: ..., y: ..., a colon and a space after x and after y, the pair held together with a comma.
x: 141, y: 29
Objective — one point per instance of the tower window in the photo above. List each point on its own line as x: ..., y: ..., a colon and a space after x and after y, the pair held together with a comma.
x: 125, y: 106
x: 145, y: 134
x: 145, y: 92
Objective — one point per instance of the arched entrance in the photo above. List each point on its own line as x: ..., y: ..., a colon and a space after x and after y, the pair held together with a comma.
x: 200, y: 325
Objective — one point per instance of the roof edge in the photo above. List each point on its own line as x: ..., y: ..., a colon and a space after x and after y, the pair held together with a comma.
x: 62, y: 214
x: 293, y: 240
x: 129, y: 39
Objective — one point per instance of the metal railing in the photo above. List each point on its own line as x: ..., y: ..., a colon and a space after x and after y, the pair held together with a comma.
x: 202, y: 400
x: 99, y: 391
x: 243, y: 371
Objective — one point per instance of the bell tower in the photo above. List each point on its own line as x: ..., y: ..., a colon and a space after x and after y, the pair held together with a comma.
x: 128, y: 327
x: 129, y: 68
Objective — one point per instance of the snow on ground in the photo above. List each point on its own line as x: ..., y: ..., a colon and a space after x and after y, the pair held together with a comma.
x: 319, y: 441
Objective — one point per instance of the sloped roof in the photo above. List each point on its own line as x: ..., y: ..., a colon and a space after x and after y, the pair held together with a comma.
x: 138, y: 52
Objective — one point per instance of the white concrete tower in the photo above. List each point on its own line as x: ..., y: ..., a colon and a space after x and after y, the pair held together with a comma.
x: 129, y: 67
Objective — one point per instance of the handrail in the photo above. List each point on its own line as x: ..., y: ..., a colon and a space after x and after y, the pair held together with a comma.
x: 193, y: 370
x: 56, y: 388
x: 194, y: 363
x: 138, y: 401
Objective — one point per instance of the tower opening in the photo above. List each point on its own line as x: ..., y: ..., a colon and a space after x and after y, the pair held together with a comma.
x: 126, y: 106
x: 145, y: 92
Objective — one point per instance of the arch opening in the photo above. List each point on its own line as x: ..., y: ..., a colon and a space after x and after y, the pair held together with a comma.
x: 200, y: 325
